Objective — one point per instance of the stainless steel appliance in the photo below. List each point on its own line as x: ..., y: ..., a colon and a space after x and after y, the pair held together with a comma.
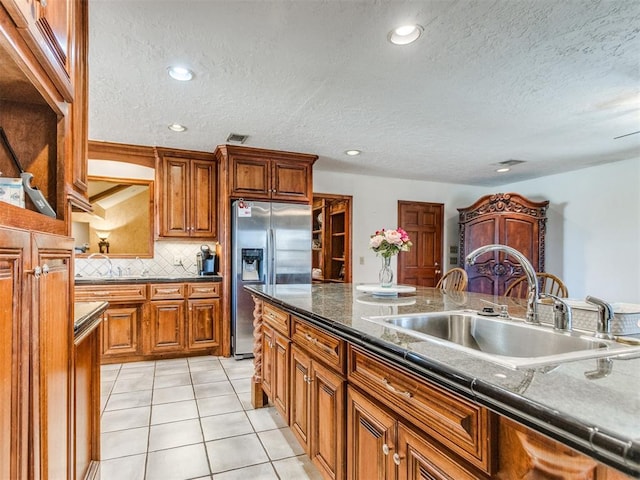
x: 271, y: 244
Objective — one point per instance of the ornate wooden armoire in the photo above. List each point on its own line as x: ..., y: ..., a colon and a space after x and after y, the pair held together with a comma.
x: 505, y: 218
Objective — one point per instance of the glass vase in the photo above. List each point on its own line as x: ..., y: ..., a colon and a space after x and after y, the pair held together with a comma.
x: 386, y: 274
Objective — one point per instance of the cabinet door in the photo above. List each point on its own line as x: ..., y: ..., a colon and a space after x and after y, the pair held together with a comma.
x: 45, y: 26
x: 14, y: 365
x: 52, y: 340
x: 166, y: 326
x: 203, y: 323
x: 268, y: 361
x: 280, y: 385
x: 327, y: 421
x: 202, y: 214
x: 174, y: 218
x: 291, y: 181
x: 250, y: 177
x: 371, y: 439
x: 120, y: 327
x: 417, y: 459
x: 300, y: 401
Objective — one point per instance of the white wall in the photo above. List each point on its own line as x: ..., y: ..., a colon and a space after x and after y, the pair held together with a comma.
x: 593, y: 226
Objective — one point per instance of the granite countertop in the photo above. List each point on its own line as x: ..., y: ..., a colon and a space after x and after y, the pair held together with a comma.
x: 598, y: 416
x: 86, y: 318
x: 148, y: 279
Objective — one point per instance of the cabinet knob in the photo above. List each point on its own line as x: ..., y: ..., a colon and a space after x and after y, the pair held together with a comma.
x: 397, y: 459
x: 386, y: 449
x: 43, y: 2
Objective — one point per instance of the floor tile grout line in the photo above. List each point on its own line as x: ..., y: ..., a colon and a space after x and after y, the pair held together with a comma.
x: 204, y: 442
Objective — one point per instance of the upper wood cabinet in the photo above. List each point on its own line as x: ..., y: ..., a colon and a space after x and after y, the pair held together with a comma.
x: 508, y: 219
x: 259, y: 174
x: 331, y: 243
x: 46, y: 27
x: 187, y: 197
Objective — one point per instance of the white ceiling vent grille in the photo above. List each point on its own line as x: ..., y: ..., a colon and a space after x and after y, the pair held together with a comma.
x: 237, y: 138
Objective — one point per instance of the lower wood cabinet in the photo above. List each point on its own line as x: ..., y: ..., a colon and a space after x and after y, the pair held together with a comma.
x: 146, y: 321
x: 317, y: 412
x: 275, y: 351
x: 380, y: 446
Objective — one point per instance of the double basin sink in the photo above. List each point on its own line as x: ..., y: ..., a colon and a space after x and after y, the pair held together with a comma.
x: 508, y: 342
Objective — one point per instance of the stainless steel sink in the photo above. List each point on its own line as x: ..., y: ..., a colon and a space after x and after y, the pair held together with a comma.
x: 511, y: 343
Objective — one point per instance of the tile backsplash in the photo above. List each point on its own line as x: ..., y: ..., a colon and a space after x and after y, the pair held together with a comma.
x: 162, y: 263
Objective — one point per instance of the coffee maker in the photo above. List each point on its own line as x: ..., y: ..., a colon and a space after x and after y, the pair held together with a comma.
x: 206, y: 261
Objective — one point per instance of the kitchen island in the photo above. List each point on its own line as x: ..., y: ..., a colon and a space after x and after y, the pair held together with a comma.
x: 596, y: 414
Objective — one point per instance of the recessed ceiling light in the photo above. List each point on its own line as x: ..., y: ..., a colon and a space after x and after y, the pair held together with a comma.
x: 176, y: 127
x: 180, y: 73
x: 353, y: 153
x: 405, y: 34
x: 503, y: 169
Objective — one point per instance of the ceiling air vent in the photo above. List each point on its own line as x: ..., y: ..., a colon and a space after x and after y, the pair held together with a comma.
x: 237, y: 138
x: 510, y: 163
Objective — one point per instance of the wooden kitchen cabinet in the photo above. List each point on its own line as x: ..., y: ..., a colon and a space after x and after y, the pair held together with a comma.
x: 157, y: 320
x: 203, y: 316
x: 276, y: 369
x: 379, y: 446
x: 332, y: 237
x: 508, y: 219
x: 51, y: 334
x: 187, y: 197
x: 46, y: 27
x: 121, y: 331
x: 257, y: 174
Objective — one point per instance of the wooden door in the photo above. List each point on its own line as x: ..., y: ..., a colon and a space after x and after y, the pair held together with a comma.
x: 52, y: 341
x: 418, y: 459
x: 120, y: 330
x: 291, y: 181
x: 202, y: 214
x: 300, y: 401
x: 327, y: 421
x: 14, y: 360
x: 174, y: 177
x: 268, y: 359
x: 203, y: 323
x: 422, y: 265
x: 280, y: 386
x: 166, y: 326
x: 371, y: 439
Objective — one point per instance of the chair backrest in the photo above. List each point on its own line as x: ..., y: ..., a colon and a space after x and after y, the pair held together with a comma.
x: 547, y: 282
x: 455, y: 280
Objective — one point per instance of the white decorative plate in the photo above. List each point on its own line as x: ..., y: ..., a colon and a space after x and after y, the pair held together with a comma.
x: 378, y: 291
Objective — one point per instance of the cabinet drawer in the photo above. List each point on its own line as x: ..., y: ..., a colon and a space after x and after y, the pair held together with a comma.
x: 465, y: 428
x: 203, y: 290
x: 278, y: 319
x: 111, y: 293
x: 166, y: 291
x: 319, y: 344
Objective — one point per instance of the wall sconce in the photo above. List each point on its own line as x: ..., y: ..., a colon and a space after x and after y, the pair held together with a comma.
x: 103, y: 244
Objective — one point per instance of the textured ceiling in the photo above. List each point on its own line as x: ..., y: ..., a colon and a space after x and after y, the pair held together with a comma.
x: 551, y: 82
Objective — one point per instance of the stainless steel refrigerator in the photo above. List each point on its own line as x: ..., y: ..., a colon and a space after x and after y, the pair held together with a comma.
x: 271, y: 244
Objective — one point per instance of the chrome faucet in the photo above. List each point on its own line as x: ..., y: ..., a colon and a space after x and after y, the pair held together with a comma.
x: 102, y: 255
x: 532, y: 280
x: 145, y: 271
x: 605, y: 317
x: 562, y: 319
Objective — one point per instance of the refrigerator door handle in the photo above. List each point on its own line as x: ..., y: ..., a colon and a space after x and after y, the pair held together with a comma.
x: 271, y: 248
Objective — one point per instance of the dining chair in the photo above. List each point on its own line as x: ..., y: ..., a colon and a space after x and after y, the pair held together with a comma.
x: 455, y: 280
x: 547, y: 283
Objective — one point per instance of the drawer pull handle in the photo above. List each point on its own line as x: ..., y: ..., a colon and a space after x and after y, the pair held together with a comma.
x: 397, y: 459
x: 307, y: 379
x: 386, y: 449
x: 318, y: 343
x: 101, y: 294
x: 393, y: 389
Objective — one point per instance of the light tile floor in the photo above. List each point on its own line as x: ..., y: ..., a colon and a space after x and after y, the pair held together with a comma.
x: 192, y: 418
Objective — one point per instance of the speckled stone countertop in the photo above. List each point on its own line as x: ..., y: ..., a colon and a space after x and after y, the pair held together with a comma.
x: 599, y: 417
x: 151, y: 279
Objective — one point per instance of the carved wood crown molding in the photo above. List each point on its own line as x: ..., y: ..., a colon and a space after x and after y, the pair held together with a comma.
x: 504, y: 203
